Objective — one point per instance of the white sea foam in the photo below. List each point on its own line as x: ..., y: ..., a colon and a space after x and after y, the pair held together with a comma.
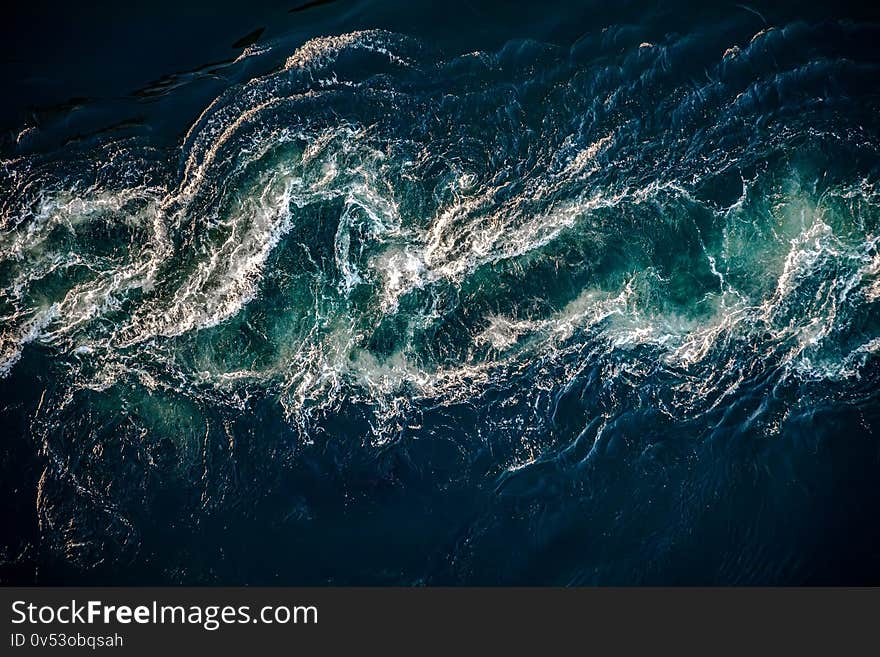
x: 410, y: 244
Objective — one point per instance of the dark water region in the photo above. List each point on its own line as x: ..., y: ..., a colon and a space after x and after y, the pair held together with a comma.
x: 440, y: 293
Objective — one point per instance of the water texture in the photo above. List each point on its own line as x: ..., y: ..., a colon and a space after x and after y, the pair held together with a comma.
x: 597, y: 311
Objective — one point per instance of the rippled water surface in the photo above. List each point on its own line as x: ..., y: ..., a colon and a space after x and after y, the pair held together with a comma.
x: 498, y: 294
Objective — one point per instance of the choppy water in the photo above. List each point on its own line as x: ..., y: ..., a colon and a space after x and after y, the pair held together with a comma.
x: 602, y: 310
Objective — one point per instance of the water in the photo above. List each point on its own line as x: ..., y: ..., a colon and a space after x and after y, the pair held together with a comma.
x: 479, y: 294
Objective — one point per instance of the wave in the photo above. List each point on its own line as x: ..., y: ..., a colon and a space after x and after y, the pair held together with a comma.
x: 376, y: 221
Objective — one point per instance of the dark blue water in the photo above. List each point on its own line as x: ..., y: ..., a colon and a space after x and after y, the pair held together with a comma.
x: 401, y: 293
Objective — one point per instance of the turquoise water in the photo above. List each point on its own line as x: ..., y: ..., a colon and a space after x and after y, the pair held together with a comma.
x: 591, y: 309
